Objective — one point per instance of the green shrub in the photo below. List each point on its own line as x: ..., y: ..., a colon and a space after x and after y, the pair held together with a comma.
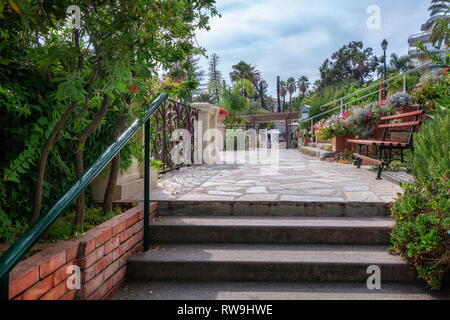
x: 431, y: 159
x: 421, y: 230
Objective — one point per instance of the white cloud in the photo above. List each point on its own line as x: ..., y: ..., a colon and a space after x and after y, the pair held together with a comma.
x: 294, y: 37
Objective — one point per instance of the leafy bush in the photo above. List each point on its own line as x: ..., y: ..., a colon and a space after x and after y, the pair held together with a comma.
x: 432, y: 88
x: 431, y: 158
x: 63, y: 228
x: 421, y: 230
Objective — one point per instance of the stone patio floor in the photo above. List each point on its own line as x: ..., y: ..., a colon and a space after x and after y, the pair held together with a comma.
x: 255, y: 176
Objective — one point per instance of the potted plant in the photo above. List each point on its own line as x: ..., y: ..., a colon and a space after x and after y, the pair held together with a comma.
x: 402, y: 103
x: 223, y: 114
x: 304, y: 136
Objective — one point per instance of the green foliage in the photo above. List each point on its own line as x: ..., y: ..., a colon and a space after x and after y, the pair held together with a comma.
x: 63, y: 228
x: 352, y: 61
x: 439, y: 22
x: 421, y: 230
x: 431, y: 158
x: 412, y: 79
x: 435, y: 87
x: 234, y: 101
x: 44, y: 71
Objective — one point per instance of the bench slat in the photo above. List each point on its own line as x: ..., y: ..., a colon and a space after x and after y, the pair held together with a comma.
x: 378, y: 143
x: 403, y: 115
x: 400, y: 125
x: 368, y: 159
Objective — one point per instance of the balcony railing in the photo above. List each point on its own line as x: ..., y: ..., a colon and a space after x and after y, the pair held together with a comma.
x: 423, y: 36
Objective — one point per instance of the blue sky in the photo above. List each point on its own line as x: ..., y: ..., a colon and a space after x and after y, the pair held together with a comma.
x: 294, y: 37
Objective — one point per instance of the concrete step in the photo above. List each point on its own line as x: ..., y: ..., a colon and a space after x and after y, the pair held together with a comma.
x: 272, y: 230
x: 275, y: 209
x: 273, y: 291
x: 232, y: 262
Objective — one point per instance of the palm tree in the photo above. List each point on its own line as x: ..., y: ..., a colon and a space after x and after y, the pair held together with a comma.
x: 283, y: 92
x: 439, y: 9
x: 291, y: 88
x: 243, y: 70
x: 245, y: 87
x: 400, y: 64
x: 303, y: 84
x: 232, y: 100
x: 397, y: 64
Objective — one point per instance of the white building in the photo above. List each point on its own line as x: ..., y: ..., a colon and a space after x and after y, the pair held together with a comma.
x: 419, y: 57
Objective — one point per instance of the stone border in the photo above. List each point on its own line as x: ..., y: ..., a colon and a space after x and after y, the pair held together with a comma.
x: 101, y: 254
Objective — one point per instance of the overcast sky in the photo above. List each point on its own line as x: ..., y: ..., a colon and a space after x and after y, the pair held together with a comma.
x: 294, y: 37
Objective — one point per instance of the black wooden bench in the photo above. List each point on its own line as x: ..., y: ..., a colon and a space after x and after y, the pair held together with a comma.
x: 385, y: 147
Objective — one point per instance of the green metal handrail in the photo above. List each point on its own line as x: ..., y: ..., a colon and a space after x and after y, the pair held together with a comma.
x: 22, y: 245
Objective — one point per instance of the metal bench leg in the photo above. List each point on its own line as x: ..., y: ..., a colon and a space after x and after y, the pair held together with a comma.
x: 380, y: 170
x: 380, y: 167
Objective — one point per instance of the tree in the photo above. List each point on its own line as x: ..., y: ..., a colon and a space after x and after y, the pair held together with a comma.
x: 439, y: 10
x: 214, y: 77
x: 397, y: 64
x: 291, y: 88
x: 113, y: 57
x: 400, y: 64
x: 283, y: 93
x: 243, y: 70
x: 352, y: 61
x: 263, y: 86
x: 196, y: 74
x: 303, y: 84
x: 278, y: 94
x: 233, y: 100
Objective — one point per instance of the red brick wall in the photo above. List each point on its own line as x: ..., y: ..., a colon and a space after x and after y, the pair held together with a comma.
x: 101, y: 254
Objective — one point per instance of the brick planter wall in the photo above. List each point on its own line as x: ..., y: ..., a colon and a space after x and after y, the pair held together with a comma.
x: 340, y: 144
x: 101, y: 254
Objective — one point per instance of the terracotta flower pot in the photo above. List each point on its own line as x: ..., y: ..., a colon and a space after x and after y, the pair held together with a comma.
x: 306, y: 141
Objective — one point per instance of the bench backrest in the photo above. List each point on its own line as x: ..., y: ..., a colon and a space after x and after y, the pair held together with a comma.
x: 407, y: 122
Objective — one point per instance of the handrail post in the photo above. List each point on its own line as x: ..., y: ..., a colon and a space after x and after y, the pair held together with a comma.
x: 404, y: 82
x: 342, y: 106
x: 147, y: 186
x: 4, y: 287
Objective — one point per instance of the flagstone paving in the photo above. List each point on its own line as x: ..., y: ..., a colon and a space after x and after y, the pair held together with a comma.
x: 291, y: 177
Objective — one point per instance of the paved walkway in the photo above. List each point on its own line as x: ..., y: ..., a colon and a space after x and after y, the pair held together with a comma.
x: 254, y: 176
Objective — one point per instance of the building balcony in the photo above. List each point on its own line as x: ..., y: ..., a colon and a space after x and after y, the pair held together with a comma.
x: 415, y: 51
x: 423, y: 36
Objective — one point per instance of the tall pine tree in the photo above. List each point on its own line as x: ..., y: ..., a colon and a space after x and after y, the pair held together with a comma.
x: 214, y: 77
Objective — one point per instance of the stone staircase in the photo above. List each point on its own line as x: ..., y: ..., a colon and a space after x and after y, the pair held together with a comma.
x: 199, y: 246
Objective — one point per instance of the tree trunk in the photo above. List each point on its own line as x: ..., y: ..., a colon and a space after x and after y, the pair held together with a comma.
x: 43, y: 162
x: 115, y: 164
x: 79, y: 161
x: 261, y: 95
x: 278, y: 94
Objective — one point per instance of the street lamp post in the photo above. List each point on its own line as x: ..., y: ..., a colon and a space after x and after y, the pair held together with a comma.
x: 384, y: 45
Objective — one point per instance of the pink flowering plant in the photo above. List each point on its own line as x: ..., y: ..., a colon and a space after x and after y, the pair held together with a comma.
x: 433, y: 88
x: 359, y: 121
x: 304, y: 133
x: 337, y: 125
